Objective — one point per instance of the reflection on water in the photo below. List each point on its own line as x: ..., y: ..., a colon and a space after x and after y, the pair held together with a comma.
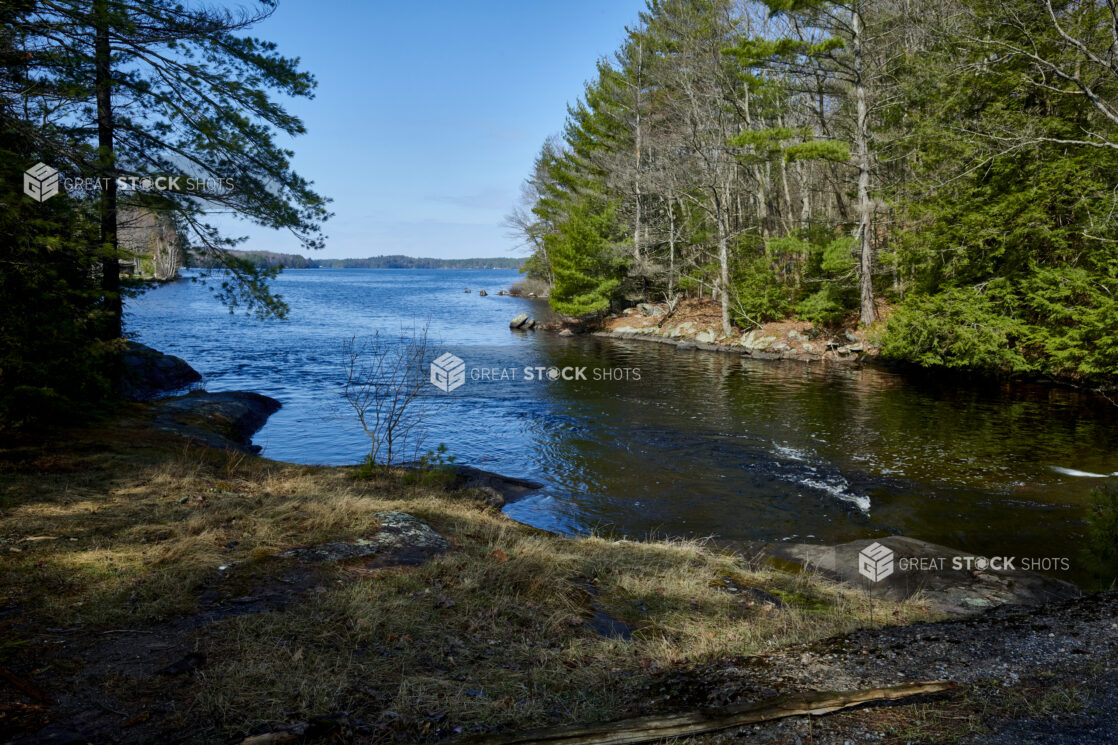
x: 702, y: 444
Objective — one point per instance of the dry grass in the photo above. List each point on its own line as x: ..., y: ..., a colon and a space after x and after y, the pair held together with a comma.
x: 495, y: 632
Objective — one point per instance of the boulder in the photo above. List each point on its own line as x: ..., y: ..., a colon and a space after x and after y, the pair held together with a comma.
x: 530, y: 324
x: 650, y: 311
x: 147, y: 373
x: 779, y: 346
x: 808, y: 347
x: 519, y: 321
x: 753, y: 341
x: 482, y: 293
x: 794, y: 335
x: 850, y: 335
x: 705, y: 337
x: 566, y: 332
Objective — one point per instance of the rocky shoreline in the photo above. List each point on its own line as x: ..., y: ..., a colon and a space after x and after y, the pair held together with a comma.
x: 697, y: 325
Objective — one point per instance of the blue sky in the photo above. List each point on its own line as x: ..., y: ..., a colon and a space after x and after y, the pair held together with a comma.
x: 428, y: 115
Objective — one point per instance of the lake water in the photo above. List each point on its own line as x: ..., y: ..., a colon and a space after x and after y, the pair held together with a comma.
x: 702, y: 444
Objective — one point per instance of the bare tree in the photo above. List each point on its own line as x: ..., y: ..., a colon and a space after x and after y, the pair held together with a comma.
x: 384, y: 379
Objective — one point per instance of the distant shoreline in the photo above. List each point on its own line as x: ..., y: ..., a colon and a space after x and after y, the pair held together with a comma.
x: 394, y: 261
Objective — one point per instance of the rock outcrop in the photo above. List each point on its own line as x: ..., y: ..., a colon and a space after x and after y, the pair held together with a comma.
x: 226, y: 420
x: 952, y: 581
x: 147, y: 373
x: 401, y: 540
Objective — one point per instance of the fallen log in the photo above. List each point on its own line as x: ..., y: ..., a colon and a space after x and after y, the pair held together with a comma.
x: 657, y: 727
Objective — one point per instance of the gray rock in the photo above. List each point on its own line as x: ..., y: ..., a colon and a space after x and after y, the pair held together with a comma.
x: 794, y: 335
x: 401, y: 540
x: 850, y: 335
x: 779, y: 346
x: 510, y: 489
x: 226, y: 420
x: 650, y: 311
x: 686, y: 346
x: 754, y: 342
x: 808, y: 347
x: 519, y: 321
x: 929, y: 569
x: 705, y: 337
x: 482, y: 293
x: 147, y: 373
x: 566, y: 332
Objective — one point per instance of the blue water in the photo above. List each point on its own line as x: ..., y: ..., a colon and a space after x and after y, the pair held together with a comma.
x: 703, y: 444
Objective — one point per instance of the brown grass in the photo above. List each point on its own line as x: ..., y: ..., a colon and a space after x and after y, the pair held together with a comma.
x: 494, y: 633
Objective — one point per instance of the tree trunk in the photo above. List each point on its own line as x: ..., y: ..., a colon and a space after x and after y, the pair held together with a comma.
x: 668, y: 726
x: 862, y: 154
x: 671, y: 249
x: 110, y: 264
x: 724, y: 262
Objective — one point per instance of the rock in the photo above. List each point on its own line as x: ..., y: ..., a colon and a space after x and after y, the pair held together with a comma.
x: 779, y: 346
x: 808, y: 347
x: 502, y: 292
x: 566, y: 332
x: 855, y: 347
x: 650, y: 311
x: 753, y: 342
x: 226, y: 420
x: 686, y: 346
x: 401, y: 540
x: 850, y: 335
x: 530, y: 324
x: 630, y: 312
x: 491, y: 496
x: 843, y: 350
x: 519, y: 321
x: 705, y: 337
x: 147, y: 373
x: 508, y: 488
x: 929, y: 569
x: 794, y: 335
x: 482, y: 293
x: 467, y: 289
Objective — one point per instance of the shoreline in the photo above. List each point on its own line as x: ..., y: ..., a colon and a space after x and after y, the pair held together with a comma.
x: 172, y: 582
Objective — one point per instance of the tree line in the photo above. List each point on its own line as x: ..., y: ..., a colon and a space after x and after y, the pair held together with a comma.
x: 947, y: 168
x: 112, y: 93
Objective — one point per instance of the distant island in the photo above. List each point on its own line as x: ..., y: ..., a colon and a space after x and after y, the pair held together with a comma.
x: 295, y: 261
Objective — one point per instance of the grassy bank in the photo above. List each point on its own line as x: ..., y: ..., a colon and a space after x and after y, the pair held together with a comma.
x: 121, y: 539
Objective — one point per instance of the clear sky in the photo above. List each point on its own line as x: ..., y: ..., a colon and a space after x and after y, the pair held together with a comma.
x: 428, y: 115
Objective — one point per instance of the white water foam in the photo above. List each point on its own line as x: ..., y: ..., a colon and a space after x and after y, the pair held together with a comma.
x: 791, y: 453
x: 1081, y: 474
x: 840, y: 491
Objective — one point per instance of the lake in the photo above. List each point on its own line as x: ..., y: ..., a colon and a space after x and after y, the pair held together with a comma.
x: 702, y: 444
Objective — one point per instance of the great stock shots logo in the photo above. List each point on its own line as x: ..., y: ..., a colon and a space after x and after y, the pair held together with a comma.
x: 40, y: 182
x: 875, y: 562
x: 448, y: 372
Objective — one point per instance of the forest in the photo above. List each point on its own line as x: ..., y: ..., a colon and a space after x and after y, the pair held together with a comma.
x: 942, y: 173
